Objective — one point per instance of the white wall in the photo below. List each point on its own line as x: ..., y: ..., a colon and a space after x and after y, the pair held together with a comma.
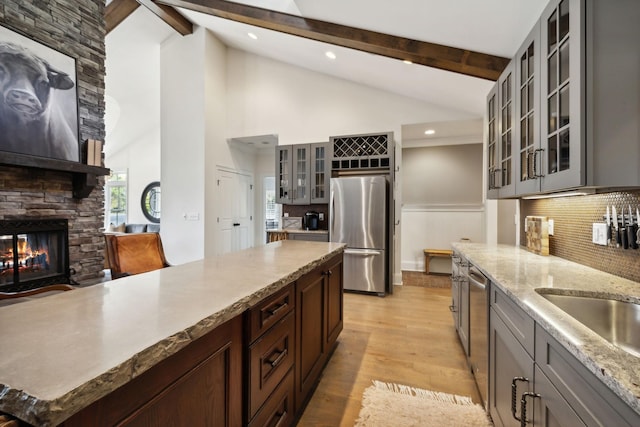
x: 132, y: 141
x: 436, y: 227
x: 183, y: 145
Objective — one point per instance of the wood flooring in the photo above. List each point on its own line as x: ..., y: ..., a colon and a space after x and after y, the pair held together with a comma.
x: 406, y: 337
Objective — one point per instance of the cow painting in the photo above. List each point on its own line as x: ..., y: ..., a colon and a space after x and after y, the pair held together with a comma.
x: 31, y: 117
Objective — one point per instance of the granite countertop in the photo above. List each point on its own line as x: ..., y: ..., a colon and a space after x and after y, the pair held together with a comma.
x: 62, y: 352
x: 518, y: 273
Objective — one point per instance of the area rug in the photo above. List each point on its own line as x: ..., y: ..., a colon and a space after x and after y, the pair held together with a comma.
x: 386, y: 404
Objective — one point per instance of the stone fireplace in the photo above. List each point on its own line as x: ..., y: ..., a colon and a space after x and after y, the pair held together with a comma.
x: 38, y: 191
x: 33, y: 254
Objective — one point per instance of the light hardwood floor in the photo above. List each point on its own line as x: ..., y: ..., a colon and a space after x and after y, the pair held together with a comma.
x: 407, y: 338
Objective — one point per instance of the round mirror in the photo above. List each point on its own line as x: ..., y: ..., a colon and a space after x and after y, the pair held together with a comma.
x: 151, y: 202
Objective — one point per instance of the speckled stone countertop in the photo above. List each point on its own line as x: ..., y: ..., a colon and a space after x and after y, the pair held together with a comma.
x: 518, y: 273
x: 60, y: 353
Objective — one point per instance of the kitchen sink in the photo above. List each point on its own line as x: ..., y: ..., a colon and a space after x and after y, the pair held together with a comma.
x: 616, y: 321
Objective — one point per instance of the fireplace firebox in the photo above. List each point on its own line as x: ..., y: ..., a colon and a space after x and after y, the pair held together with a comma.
x: 33, y: 253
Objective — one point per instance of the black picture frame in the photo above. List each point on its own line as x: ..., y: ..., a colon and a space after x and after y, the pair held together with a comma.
x: 39, y: 114
x: 150, y: 202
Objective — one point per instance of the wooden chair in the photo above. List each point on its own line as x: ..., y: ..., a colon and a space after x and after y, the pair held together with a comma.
x: 134, y: 253
x: 16, y: 296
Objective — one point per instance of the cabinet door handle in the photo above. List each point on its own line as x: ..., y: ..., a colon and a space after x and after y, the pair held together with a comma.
x: 281, y: 418
x: 275, y: 310
x: 523, y: 407
x: 514, y: 395
x: 535, y: 163
x: 279, y: 359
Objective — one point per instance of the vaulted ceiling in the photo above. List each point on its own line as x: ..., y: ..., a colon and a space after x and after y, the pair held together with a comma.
x: 456, y: 48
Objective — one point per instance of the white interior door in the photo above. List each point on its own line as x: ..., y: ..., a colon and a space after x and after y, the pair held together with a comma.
x: 235, y: 211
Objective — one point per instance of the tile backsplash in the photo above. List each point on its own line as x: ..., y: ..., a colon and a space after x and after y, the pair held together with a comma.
x: 573, y: 218
x: 300, y: 210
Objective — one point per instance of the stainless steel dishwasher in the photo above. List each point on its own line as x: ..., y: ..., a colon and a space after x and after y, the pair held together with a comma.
x: 479, y: 330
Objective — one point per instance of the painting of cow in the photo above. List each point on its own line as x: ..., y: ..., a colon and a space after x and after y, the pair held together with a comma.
x: 38, y: 101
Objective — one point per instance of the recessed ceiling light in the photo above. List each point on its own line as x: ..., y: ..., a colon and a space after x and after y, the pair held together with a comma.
x: 429, y: 132
x: 330, y: 55
x: 406, y: 61
x: 252, y: 36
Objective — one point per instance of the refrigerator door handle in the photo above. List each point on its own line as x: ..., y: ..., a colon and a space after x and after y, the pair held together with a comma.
x: 363, y: 252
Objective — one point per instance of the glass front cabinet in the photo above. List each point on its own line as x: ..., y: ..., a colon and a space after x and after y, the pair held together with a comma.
x: 576, y: 121
x: 501, y: 136
x: 302, y: 174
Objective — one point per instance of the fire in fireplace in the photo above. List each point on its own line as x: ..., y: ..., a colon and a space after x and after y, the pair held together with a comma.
x: 33, y: 254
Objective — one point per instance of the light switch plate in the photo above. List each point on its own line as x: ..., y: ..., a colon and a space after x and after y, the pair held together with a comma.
x: 599, y: 234
x: 550, y: 227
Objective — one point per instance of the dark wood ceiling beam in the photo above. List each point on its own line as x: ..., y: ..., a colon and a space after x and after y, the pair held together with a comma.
x: 447, y: 58
x: 169, y: 15
x: 117, y: 11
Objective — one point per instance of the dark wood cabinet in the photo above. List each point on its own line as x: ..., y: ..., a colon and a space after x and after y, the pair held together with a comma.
x: 199, y: 385
x: 319, y: 320
x: 270, y: 359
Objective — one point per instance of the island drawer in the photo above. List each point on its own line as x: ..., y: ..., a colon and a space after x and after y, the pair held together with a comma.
x: 270, y: 358
x: 519, y: 323
x: 269, y: 311
x: 278, y: 410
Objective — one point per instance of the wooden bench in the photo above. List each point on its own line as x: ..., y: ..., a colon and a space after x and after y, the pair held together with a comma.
x: 430, y: 253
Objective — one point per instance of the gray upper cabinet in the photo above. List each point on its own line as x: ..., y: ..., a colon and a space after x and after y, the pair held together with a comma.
x: 500, y: 133
x: 577, y: 116
x: 562, y: 158
x: 302, y: 174
x: 320, y: 172
x: 528, y: 114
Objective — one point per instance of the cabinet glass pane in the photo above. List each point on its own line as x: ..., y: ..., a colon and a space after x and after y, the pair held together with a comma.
x: 524, y: 141
x: 506, y: 145
x: 524, y: 67
x: 553, y: 113
x: 530, y: 96
x: 524, y: 104
x: 564, y: 149
x: 492, y: 109
x: 564, y: 19
x: 553, y: 154
x: 552, y: 31
x: 564, y: 106
x: 506, y: 172
x: 564, y: 62
x: 530, y: 54
x: 523, y: 166
x: 553, y: 74
x: 318, y: 191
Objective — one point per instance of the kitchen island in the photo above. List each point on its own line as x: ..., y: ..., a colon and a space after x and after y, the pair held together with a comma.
x: 68, y: 352
x: 563, y: 345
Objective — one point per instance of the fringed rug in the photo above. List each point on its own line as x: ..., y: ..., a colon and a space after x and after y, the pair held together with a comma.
x: 386, y: 404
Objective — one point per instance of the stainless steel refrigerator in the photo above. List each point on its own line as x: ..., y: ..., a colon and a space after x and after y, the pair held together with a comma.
x: 358, y: 217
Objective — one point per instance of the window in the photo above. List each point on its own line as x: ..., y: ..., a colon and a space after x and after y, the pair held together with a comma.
x: 116, y: 198
x: 272, y: 209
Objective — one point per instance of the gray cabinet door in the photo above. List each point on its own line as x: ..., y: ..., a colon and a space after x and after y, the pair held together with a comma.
x: 320, y: 173
x: 549, y: 408
x: 527, y: 145
x: 508, y: 362
x: 300, y: 167
x: 491, y: 129
x: 284, y: 175
x: 463, y: 329
x: 507, y: 131
x: 562, y: 98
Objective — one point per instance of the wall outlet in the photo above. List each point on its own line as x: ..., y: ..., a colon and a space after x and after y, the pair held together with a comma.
x: 550, y: 227
x: 321, y: 216
x: 599, y: 234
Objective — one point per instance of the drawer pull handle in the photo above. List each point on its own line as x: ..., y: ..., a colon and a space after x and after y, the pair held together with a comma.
x: 514, y: 395
x: 523, y: 407
x: 275, y: 310
x: 279, y: 359
x: 281, y: 418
